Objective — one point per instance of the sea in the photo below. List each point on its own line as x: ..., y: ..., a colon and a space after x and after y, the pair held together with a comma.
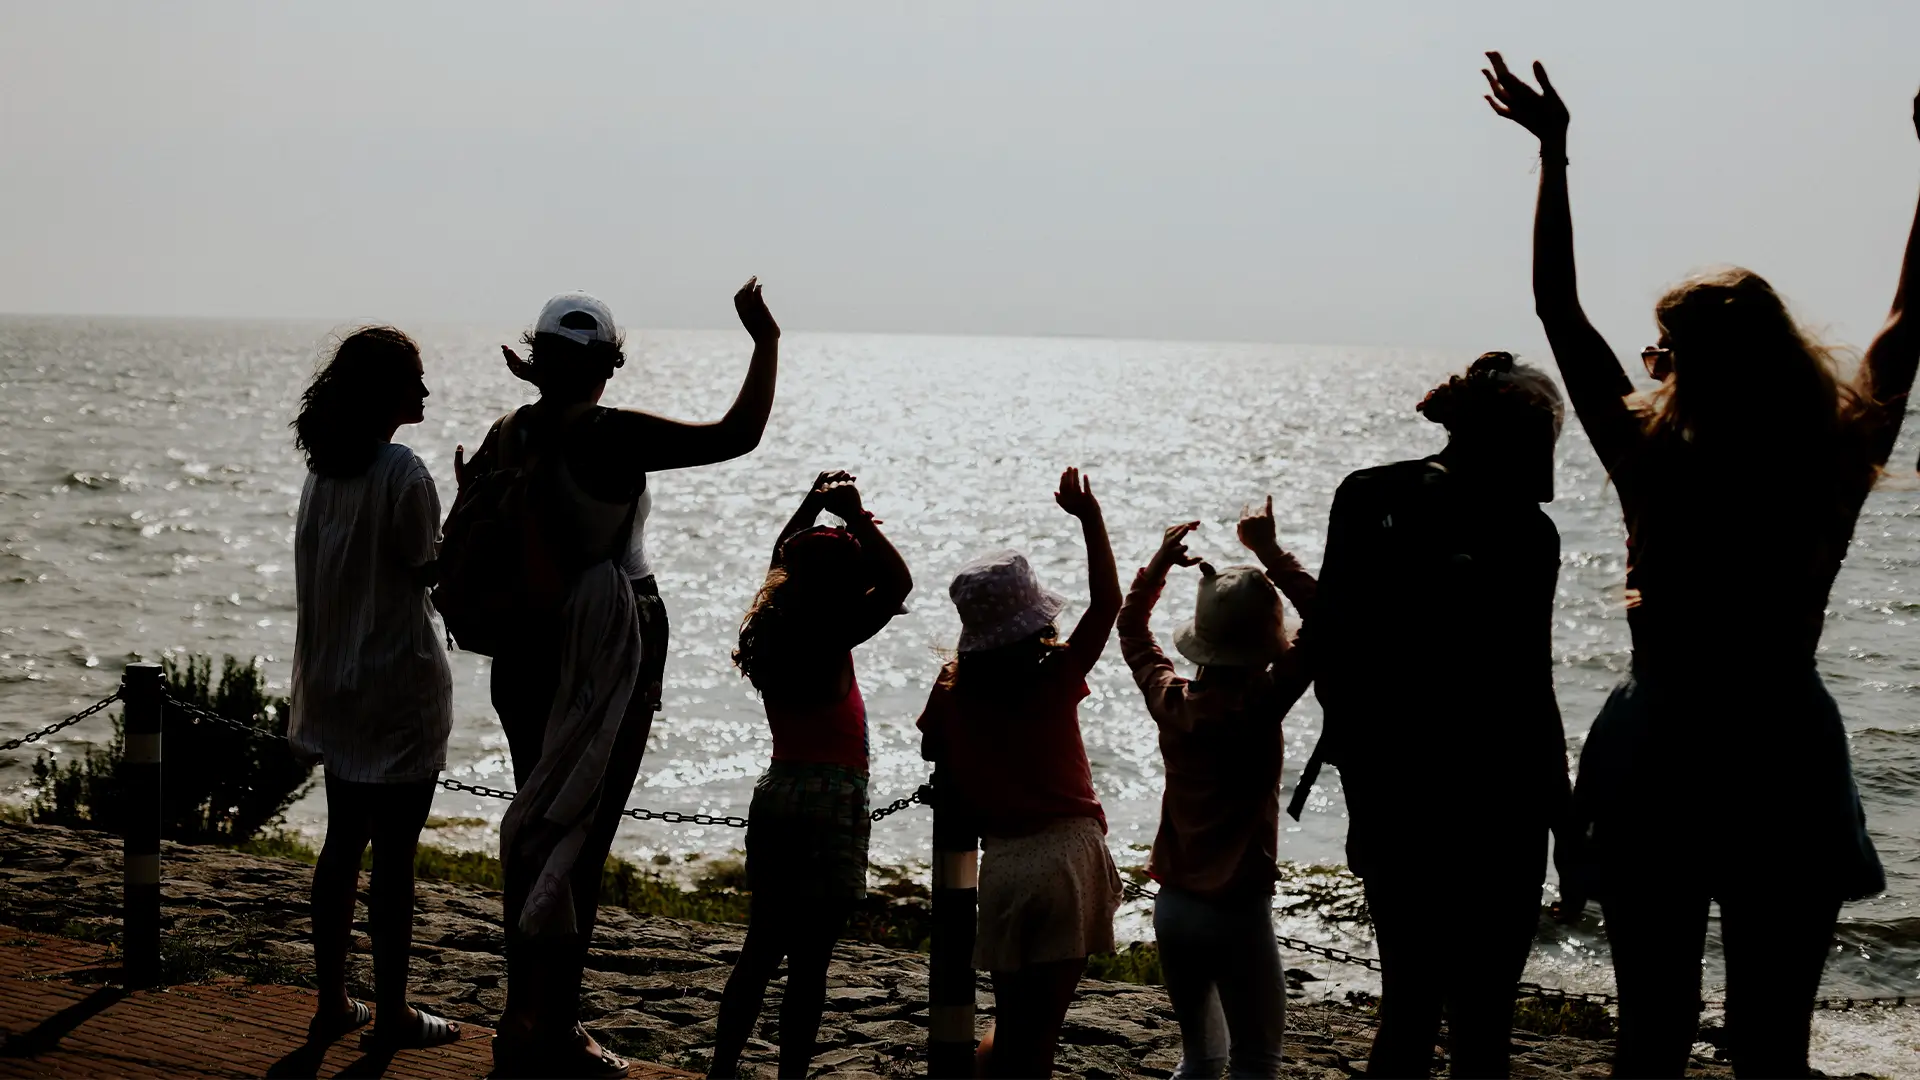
x: 148, y: 486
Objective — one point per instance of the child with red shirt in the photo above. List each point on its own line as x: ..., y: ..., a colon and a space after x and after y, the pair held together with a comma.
x: 1003, y: 722
x: 1220, y: 816
x: 828, y: 590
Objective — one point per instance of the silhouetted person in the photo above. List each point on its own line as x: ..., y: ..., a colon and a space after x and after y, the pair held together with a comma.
x: 1719, y: 769
x: 1432, y: 649
x: 576, y: 696
x: 1003, y: 720
x: 828, y: 590
x: 1221, y: 743
x: 372, y: 693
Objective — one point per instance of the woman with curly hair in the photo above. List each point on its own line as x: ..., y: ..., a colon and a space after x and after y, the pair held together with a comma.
x: 372, y: 693
x: 827, y: 590
x: 1719, y: 771
x: 1432, y: 646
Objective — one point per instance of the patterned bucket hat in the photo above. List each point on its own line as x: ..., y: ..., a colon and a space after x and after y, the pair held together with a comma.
x: 1000, y: 601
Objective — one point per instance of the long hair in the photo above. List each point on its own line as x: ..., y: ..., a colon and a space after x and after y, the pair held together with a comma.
x: 1006, y: 672
x: 787, y: 633
x: 1747, y: 377
x: 347, y: 409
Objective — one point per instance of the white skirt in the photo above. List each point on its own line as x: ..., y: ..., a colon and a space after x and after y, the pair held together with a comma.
x: 1045, y: 897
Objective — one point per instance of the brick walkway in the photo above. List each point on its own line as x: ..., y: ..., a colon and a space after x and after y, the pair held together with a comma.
x: 61, y: 1014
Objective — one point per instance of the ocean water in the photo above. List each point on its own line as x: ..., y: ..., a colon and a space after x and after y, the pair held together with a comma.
x: 148, y: 486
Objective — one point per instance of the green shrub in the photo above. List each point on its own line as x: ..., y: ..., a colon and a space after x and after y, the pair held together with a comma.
x: 1139, y: 962
x: 1550, y: 1016
x: 217, y: 784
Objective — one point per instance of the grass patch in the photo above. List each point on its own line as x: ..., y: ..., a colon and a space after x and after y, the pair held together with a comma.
x: 1139, y: 962
x: 1577, y: 1019
x: 438, y: 822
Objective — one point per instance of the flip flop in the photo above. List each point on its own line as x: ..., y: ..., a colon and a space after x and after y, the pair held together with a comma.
x: 325, y: 1029
x: 429, y: 1030
x: 606, y: 1065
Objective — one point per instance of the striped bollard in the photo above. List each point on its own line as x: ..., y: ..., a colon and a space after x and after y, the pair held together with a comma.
x: 145, y: 695
x: 956, y: 876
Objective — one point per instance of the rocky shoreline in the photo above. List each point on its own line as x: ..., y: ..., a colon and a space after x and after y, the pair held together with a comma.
x: 653, y: 984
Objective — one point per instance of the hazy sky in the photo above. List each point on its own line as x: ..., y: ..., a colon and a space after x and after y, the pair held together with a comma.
x: 1320, y: 172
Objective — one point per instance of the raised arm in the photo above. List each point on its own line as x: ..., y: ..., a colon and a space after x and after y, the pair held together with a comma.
x: 892, y: 581
x: 1595, y: 380
x: 1137, y: 645
x: 663, y: 444
x: 1886, y: 372
x: 1259, y: 535
x: 808, y: 513
x: 1089, y: 638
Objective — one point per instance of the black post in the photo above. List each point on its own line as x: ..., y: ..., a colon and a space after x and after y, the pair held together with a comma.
x: 956, y: 894
x: 145, y: 695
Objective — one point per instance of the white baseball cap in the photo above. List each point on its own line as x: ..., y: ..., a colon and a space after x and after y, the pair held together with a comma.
x: 554, y: 317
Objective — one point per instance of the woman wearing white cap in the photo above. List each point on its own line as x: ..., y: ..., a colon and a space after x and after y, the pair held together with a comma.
x: 1432, y: 647
x: 577, y: 696
x: 1003, y: 722
x: 1721, y: 760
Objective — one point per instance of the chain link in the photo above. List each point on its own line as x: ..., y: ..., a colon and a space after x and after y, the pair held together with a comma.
x: 897, y: 805
x: 197, y: 713
x: 36, y: 736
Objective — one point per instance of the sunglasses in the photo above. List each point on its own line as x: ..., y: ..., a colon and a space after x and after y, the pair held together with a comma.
x: 1659, y: 361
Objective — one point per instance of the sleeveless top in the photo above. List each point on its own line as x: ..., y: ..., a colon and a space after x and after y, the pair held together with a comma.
x: 597, y: 509
x: 821, y: 733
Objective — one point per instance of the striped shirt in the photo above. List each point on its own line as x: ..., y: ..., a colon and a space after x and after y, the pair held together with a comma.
x: 372, y: 692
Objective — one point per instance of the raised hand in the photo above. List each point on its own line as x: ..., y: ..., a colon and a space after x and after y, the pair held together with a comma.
x: 520, y: 368
x: 1173, y: 548
x: 1076, y: 495
x: 460, y: 466
x: 752, y: 308
x: 841, y: 499
x: 826, y: 479
x: 1539, y: 111
x: 1256, y: 529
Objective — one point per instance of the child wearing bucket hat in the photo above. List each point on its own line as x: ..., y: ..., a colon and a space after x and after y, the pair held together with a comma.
x: 1003, y: 723
x: 1220, y: 814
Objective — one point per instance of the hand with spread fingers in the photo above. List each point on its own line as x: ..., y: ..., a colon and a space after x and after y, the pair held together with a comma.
x: 1173, y: 550
x: 1256, y: 529
x: 521, y: 369
x: 1539, y: 111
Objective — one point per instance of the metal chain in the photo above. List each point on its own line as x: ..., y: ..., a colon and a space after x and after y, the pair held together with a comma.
x: 197, y: 713
x: 897, y: 805
x: 36, y: 736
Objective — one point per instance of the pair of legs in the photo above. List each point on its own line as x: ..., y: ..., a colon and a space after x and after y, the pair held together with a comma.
x: 390, y: 817
x: 1453, y: 943
x: 1222, y: 966
x: 1776, y: 943
x: 802, y: 931
x: 543, y: 977
x: 1029, y: 1005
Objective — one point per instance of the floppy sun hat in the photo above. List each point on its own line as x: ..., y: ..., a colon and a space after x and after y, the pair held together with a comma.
x: 1000, y: 601
x: 1236, y: 620
x: 554, y: 319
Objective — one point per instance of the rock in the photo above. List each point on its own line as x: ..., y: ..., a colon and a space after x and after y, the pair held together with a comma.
x: 652, y: 985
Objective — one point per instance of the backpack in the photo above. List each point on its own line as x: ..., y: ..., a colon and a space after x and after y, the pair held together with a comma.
x: 1402, y: 530
x: 501, y: 578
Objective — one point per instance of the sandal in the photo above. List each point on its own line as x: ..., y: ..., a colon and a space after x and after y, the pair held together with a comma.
x: 428, y: 1030
x: 325, y: 1029
x: 605, y: 1065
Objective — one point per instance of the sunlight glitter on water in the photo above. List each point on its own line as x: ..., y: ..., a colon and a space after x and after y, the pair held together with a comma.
x: 148, y: 485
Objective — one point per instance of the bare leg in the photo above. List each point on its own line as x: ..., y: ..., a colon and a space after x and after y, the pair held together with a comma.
x: 1029, y: 1006
x: 806, y: 996
x: 1776, y: 948
x: 746, y: 990
x: 1656, y: 937
x: 336, y: 878
x: 396, y: 838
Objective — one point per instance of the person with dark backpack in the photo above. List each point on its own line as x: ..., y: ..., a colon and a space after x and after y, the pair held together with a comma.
x: 544, y: 568
x: 1432, y: 647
